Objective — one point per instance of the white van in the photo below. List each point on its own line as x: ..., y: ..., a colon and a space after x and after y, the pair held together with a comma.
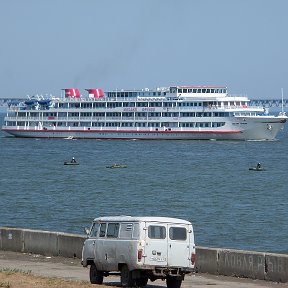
x: 140, y: 248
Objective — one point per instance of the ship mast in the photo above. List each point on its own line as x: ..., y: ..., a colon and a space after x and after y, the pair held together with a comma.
x: 282, y: 104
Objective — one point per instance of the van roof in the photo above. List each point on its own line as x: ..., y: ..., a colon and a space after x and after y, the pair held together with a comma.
x: 124, y: 218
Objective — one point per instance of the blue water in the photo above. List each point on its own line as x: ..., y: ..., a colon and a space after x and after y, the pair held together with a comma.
x: 206, y: 182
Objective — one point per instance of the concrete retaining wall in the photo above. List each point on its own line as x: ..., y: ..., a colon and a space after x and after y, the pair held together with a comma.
x: 41, y: 242
x: 229, y: 262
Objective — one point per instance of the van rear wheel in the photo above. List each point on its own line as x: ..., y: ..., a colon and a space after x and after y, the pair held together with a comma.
x: 173, y: 282
x: 126, y: 277
x: 96, y: 277
x: 141, y: 282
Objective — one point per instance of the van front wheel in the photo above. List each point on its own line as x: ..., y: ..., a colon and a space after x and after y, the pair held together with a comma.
x: 96, y: 277
x: 126, y: 277
x: 173, y: 282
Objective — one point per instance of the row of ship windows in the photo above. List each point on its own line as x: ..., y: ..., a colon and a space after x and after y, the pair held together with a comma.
x: 148, y: 104
x: 128, y: 104
x: 124, y: 124
x: 126, y: 94
x: 200, y: 90
x: 134, y: 94
x: 130, y: 114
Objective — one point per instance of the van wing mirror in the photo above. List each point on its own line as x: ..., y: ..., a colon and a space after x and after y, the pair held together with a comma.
x: 87, y: 231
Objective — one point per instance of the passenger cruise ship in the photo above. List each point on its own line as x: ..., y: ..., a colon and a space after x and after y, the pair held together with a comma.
x: 177, y: 112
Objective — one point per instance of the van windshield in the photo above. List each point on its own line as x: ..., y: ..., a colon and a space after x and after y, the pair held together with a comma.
x: 94, y: 230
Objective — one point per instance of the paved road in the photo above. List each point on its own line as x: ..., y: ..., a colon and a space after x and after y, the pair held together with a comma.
x: 71, y: 269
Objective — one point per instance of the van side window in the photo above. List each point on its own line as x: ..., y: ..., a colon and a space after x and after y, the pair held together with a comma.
x: 136, y: 234
x: 94, y: 230
x: 126, y: 230
x: 177, y: 233
x: 113, y: 230
x: 156, y: 232
x: 102, y: 230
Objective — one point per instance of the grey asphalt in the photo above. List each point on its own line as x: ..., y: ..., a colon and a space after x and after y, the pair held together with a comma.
x: 71, y: 269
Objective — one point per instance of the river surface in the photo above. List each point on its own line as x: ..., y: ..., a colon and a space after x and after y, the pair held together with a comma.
x: 205, y: 182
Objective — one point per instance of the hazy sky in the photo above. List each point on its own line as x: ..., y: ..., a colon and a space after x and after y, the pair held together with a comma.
x: 113, y: 44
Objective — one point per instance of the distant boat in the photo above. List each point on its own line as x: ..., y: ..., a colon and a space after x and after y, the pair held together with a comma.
x: 69, y: 138
x: 71, y: 163
x: 257, y: 168
x: 116, y: 166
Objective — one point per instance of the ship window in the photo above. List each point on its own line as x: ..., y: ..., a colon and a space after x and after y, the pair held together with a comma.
x: 85, y: 114
x: 142, y: 104
x: 154, y: 124
x: 99, y: 105
x: 172, y: 90
x: 99, y: 114
x: 85, y: 124
x: 184, y: 90
x: 140, y: 124
x: 194, y: 90
x: 179, y: 90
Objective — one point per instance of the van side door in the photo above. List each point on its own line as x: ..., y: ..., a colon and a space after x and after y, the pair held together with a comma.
x: 155, y: 249
x: 107, y: 247
x: 89, y: 244
x: 99, y: 248
x: 179, y: 238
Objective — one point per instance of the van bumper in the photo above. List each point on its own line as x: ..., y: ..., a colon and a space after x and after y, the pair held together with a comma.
x: 163, y: 272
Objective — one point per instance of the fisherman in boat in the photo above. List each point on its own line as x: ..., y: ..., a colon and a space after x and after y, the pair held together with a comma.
x: 258, y: 167
x: 73, y: 160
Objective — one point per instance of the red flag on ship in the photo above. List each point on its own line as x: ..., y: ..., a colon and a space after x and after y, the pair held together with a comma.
x: 95, y: 93
x: 73, y: 93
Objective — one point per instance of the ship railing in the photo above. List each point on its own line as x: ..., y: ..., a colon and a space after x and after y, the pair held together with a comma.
x: 231, y: 107
x: 11, y: 118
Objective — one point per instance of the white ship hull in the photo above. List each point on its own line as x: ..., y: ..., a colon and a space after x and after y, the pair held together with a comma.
x: 260, y: 130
